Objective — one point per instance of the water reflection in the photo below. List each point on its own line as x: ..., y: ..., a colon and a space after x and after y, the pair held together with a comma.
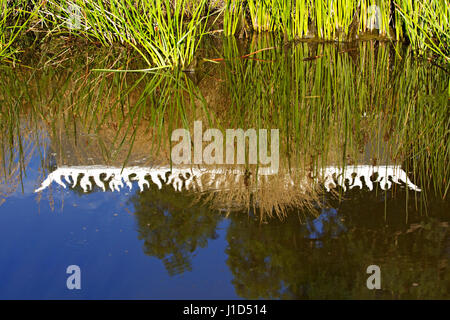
x: 172, y: 228
x: 230, y: 185
x: 182, y: 178
x: 327, y: 223
x: 363, y: 177
x: 326, y: 258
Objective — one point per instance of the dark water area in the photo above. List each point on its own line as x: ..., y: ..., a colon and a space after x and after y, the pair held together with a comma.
x: 87, y: 179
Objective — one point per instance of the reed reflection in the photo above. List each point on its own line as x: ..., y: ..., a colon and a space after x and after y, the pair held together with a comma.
x: 362, y: 145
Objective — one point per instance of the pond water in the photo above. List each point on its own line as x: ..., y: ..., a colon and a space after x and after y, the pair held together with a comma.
x: 363, y: 176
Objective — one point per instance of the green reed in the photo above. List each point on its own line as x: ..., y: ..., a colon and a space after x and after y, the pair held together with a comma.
x: 233, y: 15
x: 333, y: 104
x: 329, y: 19
x: 327, y: 101
x: 167, y: 33
x: 119, y: 108
x: 427, y: 25
x: 12, y: 24
x: 164, y: 32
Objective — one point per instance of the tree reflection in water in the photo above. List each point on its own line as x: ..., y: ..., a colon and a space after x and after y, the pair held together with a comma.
x: 326, y: 257
x: 173, y: 227
x: 290, y: 260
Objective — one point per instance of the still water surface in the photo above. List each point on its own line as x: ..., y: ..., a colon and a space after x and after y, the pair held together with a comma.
x: 245, y: 237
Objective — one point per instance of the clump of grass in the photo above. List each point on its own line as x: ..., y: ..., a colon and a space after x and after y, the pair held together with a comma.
x: 233, y: 15
x: 326, y: 19
x: 426, y: 24
x: 164, y: 32
x: 11, y: 27
x: 167, y: 32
